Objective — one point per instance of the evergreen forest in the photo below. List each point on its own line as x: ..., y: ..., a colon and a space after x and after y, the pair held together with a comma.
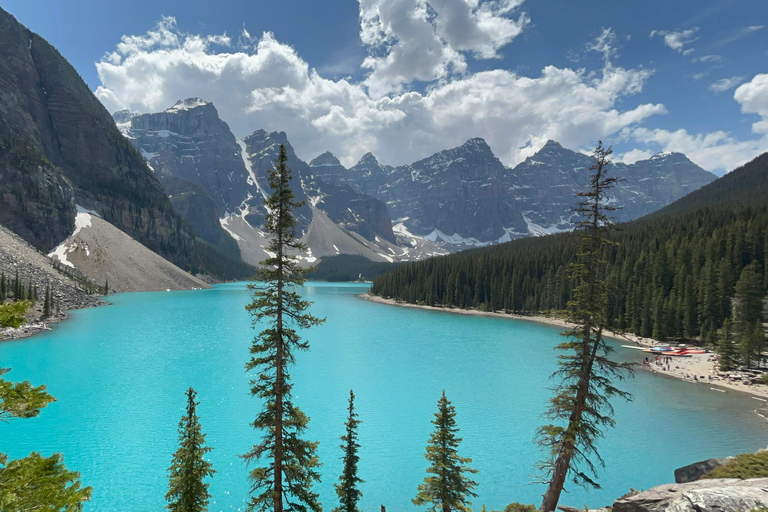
x: 678, y: 274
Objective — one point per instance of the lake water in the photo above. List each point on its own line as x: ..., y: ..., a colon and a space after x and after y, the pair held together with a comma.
x: 120, y: 372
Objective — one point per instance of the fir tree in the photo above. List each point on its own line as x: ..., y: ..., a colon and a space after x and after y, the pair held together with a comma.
x: 581, y: 406
x: 347, y: 488
x: 448, y: 488
x: 187, y: 489
x: 3, y: 291
x: 106, y: 286
x: 284, y: 482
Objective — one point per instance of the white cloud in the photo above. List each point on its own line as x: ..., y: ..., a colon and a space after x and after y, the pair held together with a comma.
x: 271, y: 87
x: 634, y: 155
x: 419, y: 40
x: 726, y: 83
x: 753, y: 98
x: 712, y: 151
x: 677, y: 40
x: 717, y: 150
x: 707, y: 58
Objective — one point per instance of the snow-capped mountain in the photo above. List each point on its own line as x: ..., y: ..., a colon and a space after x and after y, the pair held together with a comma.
x: 456, y: 198
x: 218, y: 184
x: 465, y: 196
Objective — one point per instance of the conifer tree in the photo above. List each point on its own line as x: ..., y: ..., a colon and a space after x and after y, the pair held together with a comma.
x: 347, y: 488
x: 187, y: 489
x: 34, y: 482
x: 581, y: 406
x: 106, y: 286
x: 47, y: 301
x: 725, y: 348
x: 448, y: 488
x: 3, y: 291
x: 289, y: 463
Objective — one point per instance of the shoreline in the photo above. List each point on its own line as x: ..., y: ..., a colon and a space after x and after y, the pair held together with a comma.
x: 682, y: 368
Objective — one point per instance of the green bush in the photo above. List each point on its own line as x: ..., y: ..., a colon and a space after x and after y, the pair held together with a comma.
x: 519, y: 507
x: 764, y: 378
x: 13, y: 315
x: 747, y: 465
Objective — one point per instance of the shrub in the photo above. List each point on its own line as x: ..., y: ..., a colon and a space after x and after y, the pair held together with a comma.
x: 13, y: 315
x: 747, y: 465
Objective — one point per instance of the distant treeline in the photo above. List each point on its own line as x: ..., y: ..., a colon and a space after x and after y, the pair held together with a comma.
x: 670, y: 276
x: 349, y: 267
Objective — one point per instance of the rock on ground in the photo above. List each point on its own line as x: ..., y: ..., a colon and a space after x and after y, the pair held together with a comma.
x: 716, y: 495
x: 693, y: 472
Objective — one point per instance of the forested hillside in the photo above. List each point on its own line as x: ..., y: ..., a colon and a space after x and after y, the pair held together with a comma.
x: 672, y: 275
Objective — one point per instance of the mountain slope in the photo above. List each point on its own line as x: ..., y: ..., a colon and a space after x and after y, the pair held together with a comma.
x: 104, y: 253
x: 59, y: 143
x: 746, y: 186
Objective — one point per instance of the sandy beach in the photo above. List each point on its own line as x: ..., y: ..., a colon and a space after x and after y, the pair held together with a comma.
x: 700, y: 366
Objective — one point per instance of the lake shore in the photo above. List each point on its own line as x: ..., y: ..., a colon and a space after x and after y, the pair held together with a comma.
x: 700, y: 366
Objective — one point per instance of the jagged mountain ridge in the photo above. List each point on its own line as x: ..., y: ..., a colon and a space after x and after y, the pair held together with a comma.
x: 465, y: 196
x: 194, y: 154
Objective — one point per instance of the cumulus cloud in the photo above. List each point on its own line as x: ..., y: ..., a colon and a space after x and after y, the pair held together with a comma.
x: 753, y: 98
x: 419, y: 40
x: 270, y: 86
x: 717, y: 150
x: 677, y: 40
x: 726, y: 83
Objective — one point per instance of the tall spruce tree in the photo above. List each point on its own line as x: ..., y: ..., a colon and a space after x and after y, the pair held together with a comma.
x: 725, y: 348
x: 347, y: 488
x: 187, y: 489
x: 448, y: 488
x: 581, y: 406
x: 284, y: 481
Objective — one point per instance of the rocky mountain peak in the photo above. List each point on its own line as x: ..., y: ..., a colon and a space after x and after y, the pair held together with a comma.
x: 187, y: 104
x: 326, y: 158
x: 368, y: 159
x: 477, y: 144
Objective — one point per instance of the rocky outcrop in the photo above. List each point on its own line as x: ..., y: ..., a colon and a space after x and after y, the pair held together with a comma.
x: 693, y: 472
x: 716, y: 495
x: 72, y: 153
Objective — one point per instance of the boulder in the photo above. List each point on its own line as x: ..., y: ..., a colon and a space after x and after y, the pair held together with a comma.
x: 693, y: 472
x: 715, y: 495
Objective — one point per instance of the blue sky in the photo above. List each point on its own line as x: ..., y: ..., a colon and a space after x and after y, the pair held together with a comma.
x: 405, y: 78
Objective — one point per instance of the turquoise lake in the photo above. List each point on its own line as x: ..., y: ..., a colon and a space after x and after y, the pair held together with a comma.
x: 119, y: 373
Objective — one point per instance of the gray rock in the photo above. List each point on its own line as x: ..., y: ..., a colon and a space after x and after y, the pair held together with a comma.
x: 693, y: 472
x: 716, y: 495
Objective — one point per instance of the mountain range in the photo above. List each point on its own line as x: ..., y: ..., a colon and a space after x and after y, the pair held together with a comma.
x: 454, y: 199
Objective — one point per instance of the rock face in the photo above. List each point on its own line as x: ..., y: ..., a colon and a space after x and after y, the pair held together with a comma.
x: 693, y: 472
x: 351, y: 210
x: 190, y: 141
x: 717, y: 495
x: 197, y: 207
x: 61, y: 147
